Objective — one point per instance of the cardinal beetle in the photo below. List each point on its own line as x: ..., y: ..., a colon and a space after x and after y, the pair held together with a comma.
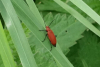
x: 51, y: 36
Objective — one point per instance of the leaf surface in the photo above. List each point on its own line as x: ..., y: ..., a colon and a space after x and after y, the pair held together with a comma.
x: 15, y: 29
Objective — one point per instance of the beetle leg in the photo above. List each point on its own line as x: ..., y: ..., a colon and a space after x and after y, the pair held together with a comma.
x: 55, y: 35
x: 51, y: 45
x: 44, y: 38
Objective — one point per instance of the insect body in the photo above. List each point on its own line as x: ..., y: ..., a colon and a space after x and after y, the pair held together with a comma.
x: 51, y: 36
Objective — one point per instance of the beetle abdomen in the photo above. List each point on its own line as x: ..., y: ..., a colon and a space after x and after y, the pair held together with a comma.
x: 52, y: 37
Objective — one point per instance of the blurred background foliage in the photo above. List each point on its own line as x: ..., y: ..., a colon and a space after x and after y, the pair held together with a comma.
x: 82, y: 46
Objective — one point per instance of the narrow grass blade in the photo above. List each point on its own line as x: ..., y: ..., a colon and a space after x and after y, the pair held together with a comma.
x: 5, y: 51
x: 78, y: 17
x: 15, y: 29
x: 32, y: 22
x: 35, y: 11
x: 84, y: 7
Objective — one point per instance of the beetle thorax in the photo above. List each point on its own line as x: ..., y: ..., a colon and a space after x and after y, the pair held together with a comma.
x: 47, y: 28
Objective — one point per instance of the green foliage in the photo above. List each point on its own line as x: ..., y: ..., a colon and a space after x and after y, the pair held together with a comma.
x: 87, y: 51
x: 11, y: 44
x: 47, y: 5
x: 73, y: 55
x: 32, y: 21
x: 42, y: 56
x: 1, y: 62
x: 90, y: 49
x: 17, y: 34
x: 94, y: 4
x: 62, y: 24
x: 14, y: 52
x: 81, y: 48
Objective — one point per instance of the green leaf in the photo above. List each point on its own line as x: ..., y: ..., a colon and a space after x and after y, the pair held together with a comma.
x: 35, y: 11
x: 87, y: 10
x: 90, y: 50
x: 73, y: 56
x: 31, y: 21
x: 61, y: 23
x: 45, y: 6
x: 5, y: 51
x: 86, y: 51
x: 50, y: 6
x: 11, y: 44
x: 13, y: 49
x: 1, y: 62
x: 78, y: 16
x: 42, y: 56
x: 13, y: 24
x: 94, y: 4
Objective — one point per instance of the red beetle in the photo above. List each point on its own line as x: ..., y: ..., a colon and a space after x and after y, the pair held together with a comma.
x: 51, y: 36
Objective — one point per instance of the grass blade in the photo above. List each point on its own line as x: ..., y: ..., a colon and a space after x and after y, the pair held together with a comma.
x: 35, y: 11
x: 5, y: 51
x: 78, y: 17
x: 15, y: 29
x: 30, y: 20
x: 84, y: 7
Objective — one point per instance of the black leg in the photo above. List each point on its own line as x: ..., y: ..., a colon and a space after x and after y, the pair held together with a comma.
x: 55, y: 35
x: 44, y: 38
x: 51, y: 47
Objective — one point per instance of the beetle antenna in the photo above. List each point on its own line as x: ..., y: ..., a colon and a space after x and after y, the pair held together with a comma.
x: 51, y: 22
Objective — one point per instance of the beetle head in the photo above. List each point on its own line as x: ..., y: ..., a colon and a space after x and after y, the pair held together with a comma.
x: 47, y: 28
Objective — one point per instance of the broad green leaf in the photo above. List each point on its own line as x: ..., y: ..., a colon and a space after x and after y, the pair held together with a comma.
x: 78, y: 16
x: 46, y: 6
x: 29, y: 19
x: 87, y: 10
x: 50, y: 6
x: 73, y: 56
x: 61, y: 23
x: 5, y: 51
x: 41, y: 54
x: 89, y: 49
x: 86, y: 51
x: 15, y: 29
